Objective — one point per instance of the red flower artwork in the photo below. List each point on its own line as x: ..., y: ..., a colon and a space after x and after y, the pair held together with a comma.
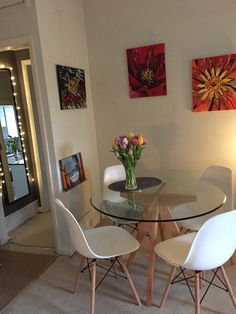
x: 147, y: 71
x: 214, y: 83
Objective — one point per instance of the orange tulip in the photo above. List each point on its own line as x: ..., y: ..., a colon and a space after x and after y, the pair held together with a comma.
x: 130, y: 137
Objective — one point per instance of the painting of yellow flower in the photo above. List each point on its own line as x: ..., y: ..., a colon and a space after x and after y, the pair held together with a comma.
x: 214, y: 83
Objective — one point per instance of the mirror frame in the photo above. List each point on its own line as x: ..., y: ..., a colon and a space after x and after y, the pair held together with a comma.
x: 10, y: 207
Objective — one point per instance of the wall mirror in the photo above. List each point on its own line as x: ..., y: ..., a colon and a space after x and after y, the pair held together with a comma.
x: 13, y: 161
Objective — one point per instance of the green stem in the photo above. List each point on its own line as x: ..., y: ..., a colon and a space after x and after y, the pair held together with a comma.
x: 129, y: 166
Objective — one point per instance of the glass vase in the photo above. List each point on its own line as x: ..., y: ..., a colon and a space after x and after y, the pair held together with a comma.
x: 130, y: 183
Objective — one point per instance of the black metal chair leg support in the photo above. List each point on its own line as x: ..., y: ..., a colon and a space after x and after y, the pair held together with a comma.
x: 210, y: 283
x: 108, y: 270
x: 90, y: 278
x: 186, y: 280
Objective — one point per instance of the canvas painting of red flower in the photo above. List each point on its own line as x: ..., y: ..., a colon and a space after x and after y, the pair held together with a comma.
x: 147, y: 71
x: 214, y: 83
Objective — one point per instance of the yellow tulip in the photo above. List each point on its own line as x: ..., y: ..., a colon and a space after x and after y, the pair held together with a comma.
x: 113, y: 141
x: 140, y: 140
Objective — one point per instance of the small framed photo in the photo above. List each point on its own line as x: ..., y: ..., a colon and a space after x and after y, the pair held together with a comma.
x: 71, y: 85
x: 72, y: 171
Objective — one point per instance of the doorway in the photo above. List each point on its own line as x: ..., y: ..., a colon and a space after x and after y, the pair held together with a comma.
x: 23, y: 178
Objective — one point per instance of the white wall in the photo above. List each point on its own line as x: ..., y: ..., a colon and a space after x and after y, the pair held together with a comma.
x: 62, y: 36
x: 180, y: 142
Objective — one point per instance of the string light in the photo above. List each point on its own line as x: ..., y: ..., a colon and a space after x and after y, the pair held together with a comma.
x: 2, y: 175
x: 22, y: 133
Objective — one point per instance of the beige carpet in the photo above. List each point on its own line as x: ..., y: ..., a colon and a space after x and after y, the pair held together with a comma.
x: 36, y: 232
x: 51, y: 293
x: 17, y: 271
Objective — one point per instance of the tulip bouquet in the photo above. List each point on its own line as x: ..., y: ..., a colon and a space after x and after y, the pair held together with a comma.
x: 128, y: 150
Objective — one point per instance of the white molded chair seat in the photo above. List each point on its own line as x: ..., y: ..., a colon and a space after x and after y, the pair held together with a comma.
x: 109, y: 242
x: 219, y: 176
x: 200, y: 251
x: 175, y: 250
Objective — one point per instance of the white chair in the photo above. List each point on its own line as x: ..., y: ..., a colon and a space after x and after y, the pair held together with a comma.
x: 113, y: 174
x: 205, y: 250
x: 108, y: 242
x: 219, y: 176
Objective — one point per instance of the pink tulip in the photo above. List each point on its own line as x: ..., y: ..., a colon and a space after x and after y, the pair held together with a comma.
x: 117, y: 140
x: 125, y: 140
x: 135, y: 141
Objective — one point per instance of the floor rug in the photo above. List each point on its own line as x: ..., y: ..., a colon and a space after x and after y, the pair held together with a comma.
x: 18, y: 270
x: 52, y: 292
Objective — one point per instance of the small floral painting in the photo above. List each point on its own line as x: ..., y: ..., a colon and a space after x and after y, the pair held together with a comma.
x: 147, y: 71
x: 71, y: 84
x: 214, y: 83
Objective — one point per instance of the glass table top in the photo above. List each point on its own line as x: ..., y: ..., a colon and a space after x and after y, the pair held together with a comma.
x: 147, y: 204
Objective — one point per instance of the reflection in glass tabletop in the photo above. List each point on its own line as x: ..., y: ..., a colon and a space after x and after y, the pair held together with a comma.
x: 148, y: 204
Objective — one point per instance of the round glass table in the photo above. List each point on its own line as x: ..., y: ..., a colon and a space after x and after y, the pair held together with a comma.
x: 156, y: 204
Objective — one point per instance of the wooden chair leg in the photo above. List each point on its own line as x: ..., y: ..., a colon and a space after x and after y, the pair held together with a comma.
x: 76, y: 286
x: 202, y: 282
x: 161, y: 230
x: 93, y: 287
x: 228, y: 285
x: 140, y: 236
x: 167, y: 288
x: 122, y: 262
x: 197, y: 294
